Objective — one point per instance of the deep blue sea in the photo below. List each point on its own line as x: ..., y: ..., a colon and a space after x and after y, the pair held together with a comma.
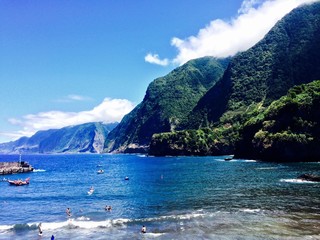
x: 174, y: 197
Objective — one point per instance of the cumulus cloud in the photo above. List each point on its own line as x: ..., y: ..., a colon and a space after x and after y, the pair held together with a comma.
x: 154, y: 58
x: 247, y: 5
x: 226, y: 38
x: 110, y: 110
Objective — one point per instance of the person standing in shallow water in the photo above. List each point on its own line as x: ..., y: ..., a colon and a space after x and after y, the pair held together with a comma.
x: 40, y: 228
x: 68, y: 212
x: 144, y: 229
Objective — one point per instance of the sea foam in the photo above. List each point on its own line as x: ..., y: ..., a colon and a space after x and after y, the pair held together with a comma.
x: 295, y: 180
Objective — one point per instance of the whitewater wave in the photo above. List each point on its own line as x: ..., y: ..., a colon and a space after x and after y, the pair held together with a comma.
x: 248, y: 210
x: 266, y: 168
x: 238, y: 160
x: 250, y: 160
x: 85, y: 222
x: 295, y: 180
x: 5, y: 227
x: 69, y: 224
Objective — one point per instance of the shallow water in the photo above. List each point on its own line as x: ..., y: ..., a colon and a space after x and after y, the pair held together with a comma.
x: 175, y: 197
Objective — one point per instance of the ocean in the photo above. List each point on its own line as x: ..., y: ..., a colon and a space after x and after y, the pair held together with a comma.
x: 174, y: 197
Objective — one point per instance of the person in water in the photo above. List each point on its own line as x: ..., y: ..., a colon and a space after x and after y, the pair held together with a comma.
x: 40, y: 228
x: 108, y: 208
x: 144, y: 229
x: 52, y: 237
x: 68, y: 212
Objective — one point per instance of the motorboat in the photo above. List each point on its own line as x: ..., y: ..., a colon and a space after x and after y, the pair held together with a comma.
x: 19, y: 182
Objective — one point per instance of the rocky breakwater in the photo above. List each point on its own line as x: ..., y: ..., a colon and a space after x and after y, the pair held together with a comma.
x: 15, y: 167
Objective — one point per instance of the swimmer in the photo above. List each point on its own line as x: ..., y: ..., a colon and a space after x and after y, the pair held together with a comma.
x: 144, y: 229
x: 108, y: 208
x: 68, y: 212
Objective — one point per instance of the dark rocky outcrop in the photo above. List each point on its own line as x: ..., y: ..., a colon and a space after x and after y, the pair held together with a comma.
x: 309, y: 177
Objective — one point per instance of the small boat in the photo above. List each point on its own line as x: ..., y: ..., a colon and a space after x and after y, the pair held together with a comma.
x: 19, y: 182
x: 100, y: 171
x: 229, y: 158
x: 126, y: 178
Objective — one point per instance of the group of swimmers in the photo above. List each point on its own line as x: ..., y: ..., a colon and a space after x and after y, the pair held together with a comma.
x: 68, y: 212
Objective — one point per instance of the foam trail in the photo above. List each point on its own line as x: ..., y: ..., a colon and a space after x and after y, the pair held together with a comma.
x: 294, y: 180
x: 248, y: 210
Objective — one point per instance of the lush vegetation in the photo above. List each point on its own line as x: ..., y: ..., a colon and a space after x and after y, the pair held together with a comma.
x: 288, y: 55
x: 234, y: 109
x: 167, y: 102
x: 201, y: 142
x: 288, y: 130
x: 192, y: 111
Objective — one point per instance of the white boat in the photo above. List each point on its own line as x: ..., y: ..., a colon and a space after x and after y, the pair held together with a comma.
x: 100, y: 171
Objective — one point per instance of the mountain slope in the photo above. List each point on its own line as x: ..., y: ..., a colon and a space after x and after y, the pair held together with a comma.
x: 88, y: 137
x: 167, y: 102
x: 288, y: 130
x: 288, y: 55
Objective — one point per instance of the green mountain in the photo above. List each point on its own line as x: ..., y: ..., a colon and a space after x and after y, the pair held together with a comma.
x: 288, y: 130
x: 88, y: 137
x: 167, y: 103
x: 287, y: 56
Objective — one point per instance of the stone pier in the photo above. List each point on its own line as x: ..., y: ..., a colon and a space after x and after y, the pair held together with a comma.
x: 15, y: 167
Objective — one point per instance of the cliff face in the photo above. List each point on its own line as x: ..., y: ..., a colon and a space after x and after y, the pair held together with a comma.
x: 89, y: 137
x: 167, y: 103
x: 289, y: 55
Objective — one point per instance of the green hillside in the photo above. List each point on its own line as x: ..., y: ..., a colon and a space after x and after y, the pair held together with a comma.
x: 288, y: 130
x: 288, y: 55
x: 167, y: 102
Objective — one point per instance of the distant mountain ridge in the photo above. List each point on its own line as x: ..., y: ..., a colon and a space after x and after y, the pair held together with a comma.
x: 83, y: 138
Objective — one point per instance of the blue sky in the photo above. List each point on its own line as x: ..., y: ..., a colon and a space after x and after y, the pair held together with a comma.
x: 74, y: 61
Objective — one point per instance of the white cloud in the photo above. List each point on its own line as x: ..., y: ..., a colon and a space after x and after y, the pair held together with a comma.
x: 154, y: 58
x: 226, y: 38
x: 247, y: 5
x: 110, y: 110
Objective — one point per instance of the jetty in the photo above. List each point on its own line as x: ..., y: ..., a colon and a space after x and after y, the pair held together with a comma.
x: 15, y: 167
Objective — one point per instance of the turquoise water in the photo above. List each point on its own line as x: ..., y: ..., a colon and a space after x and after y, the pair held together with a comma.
x: 174, y: 197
